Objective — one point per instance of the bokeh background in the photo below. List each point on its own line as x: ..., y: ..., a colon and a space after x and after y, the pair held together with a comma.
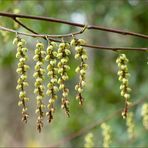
x: 102, y: 96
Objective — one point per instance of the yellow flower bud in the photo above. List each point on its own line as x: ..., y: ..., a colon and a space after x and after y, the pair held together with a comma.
x: 79, y: 48
x: 77, y: 56
x: 15, y: 41
x: 22, y: 94
x: 39, y: 45
x: 20, y: 44
x: 73, y: 42
x: 80, y: 90
x: 81, y: 41
x: 20, y: 103
x: 36, y: 57
x: 61, y: 86
x: 24, y: 49
x: 62, y: 45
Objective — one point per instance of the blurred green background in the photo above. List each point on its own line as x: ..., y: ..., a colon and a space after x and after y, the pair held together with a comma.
x: 102, y: 95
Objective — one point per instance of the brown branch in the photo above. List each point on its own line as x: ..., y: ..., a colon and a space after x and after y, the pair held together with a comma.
x: 94, y: 125
x: 87, y: 45
x: 56, y: 36
x: 11, y: 15
x: 21, y: 24
x: 40, y: 35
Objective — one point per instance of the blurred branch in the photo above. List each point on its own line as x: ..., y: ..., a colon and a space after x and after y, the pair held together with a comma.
x: 87, y: 45
x: 94, y: 125
x: 94, y: 27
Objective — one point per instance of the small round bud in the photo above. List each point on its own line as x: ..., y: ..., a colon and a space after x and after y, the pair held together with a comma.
x: 61, y: 86
x: 81, y: 41
x: 77, y: 56
x: 127, y: 96
x: 24, y: 49
x: 73, y: 42
x: 80, y: 90
x: 15, y: 41
x: 79, y: 48
x: 62, y: 45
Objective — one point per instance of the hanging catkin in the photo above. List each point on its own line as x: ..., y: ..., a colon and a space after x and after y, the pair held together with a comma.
x: 80, y: 55
x: 63, y: 67
x: 39, y: 87
x: 52, y: 88
x: 123, y: 78
x: 21, y: 70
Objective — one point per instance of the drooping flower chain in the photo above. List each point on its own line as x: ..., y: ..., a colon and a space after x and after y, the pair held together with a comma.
x: 123, y: 78
x: 21, y: 70
x: 130, y: 125
x: 89, y: 141
x: 144, y: 113
x: 106, y: 133
x: 63, y: 67
x: 39, y: 87
x: 81, y: 69
x: 52, y: 74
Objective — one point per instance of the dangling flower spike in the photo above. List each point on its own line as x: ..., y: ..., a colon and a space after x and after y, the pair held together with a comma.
x: 89, y: 141
x: 106, y: 133
x: 130, y: 125
x: 21, y: 70
x: 81, y: 69
x: 123, y: 77
x: 39, y: 87
x: 52, y: 74
x: 144, y: 113
x: 63, y: 67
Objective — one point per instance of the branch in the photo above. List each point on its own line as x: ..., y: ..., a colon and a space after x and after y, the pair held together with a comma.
x: 87, y: 45
x: 54, y: 36
x: 94, y: 27
x: 94, y: 125
x: 21, y: 24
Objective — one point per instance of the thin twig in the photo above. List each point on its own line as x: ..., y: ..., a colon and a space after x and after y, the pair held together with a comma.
x: 40, y: 35
x: 21, y: 24
x: 87, y: 45
x: 95, y: 27
x: 94, y: 125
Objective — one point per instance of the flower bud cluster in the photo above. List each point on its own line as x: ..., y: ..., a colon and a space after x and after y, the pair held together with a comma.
x: 21, y: 70
x: 81, y: 69
x: 52, y: 88
x: 106, y: 133
x: 144, y: 113
x: 63, y: 67
x: 123, y: 78
x: 89, y: 141
x: 39, y: 87
x: 130, y: 125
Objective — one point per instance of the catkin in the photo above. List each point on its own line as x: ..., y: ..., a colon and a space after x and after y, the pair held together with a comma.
x: 130, y: 125
x: 144, y: 113
x: 52, y: 88
x: 22, y: 80
x: 39, y: 87
x: 89, y: 141
x: 80, y: 55
x: 123, y: 78
x: 63, y: 67
x: 106, y: 133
